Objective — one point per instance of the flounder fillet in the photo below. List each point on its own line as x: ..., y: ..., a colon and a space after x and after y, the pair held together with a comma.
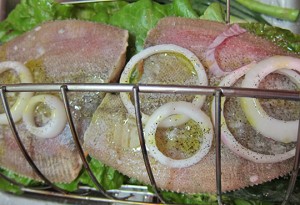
x: 68, y: 51
x: 112, y: 138
x: 196, y: 35
x: 112, y: 135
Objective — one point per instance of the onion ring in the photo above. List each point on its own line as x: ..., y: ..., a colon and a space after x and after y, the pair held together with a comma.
x: 189, y: 110
x: 58, y: 116
x: 202, y: 77
x: 228, y: 138
x: 20, y: 104
x: 282, y: 130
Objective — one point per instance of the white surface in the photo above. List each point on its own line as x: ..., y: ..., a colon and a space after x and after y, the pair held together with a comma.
x: 293, y: 26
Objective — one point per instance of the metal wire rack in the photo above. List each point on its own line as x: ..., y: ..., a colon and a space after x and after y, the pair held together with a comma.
x: 128, y: 194
x: 117, y: 196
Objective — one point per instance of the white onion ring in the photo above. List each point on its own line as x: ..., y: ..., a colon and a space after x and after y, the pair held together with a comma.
x: 58, y: 116
x: 189, y: 110
x: 214, y: 68
x: 228, y: 138
x: 202, y: 77
x: 281, y: 130
x: 20, y: 104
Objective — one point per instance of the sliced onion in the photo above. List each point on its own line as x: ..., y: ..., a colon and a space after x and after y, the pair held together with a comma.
x: 214, y: 68
x: 58, y: 116
x: 228, y: 138
x: 20, y: 104
x: 202, y: 77
x: 278, y: 130
x: 184, y: 108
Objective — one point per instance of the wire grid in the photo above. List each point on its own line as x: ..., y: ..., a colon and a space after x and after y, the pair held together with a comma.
x: 64, y: 89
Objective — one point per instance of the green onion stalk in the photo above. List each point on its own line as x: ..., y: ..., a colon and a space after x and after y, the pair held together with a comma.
x: 288, y: 14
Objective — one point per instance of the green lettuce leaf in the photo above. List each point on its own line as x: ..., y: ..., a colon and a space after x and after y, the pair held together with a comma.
x: 282, y: 37
x: 270, y: 192
x: 33, y: 15
x: 9, y: 187
x: 108, y: 177
x: 215, y: 12
x: 139, y: 17
x: 30, y: 13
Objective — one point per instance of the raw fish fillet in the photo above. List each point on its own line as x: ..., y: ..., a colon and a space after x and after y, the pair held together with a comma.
x: 112, y: 135
x: 196, y: 35
x: 68, y: 51
x: 113, y: 139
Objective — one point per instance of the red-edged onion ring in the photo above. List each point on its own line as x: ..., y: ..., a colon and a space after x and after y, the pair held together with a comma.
x: 20, y: 104
x: 227, y: 137
x: 279, y: 130
x: 58, y: 116
x: 164, y: 48
x: 214, y: 68
x: 184, y: 108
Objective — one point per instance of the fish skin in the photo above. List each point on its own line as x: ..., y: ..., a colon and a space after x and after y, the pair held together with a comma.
x: 88, y: 40
x: 196, y: 35
x: 66, y: 51
x: 237, y: 172
x: 104, y: 139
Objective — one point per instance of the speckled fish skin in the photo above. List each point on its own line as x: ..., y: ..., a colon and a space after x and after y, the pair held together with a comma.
x: 196, y: 35
x: 67, y: 51
x: 112, y: 136
x: 111, y: 118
